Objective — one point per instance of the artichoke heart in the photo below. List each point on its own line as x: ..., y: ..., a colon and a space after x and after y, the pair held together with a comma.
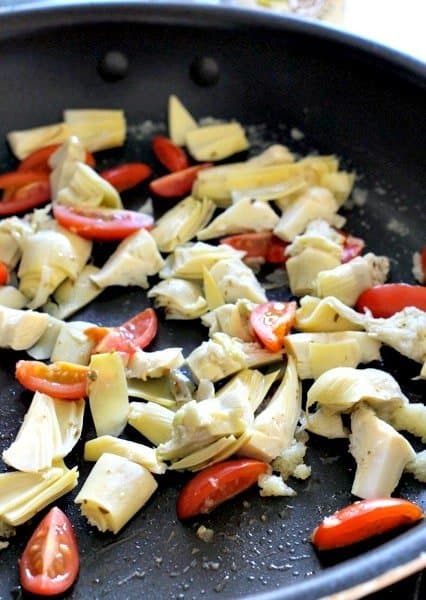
x: 189, y: 260
x: 216, y: 142
x: 232, y: 319
x: 138, y: 453
x: 23, y: 143
x: 181, y: 299
x: 86, y: 188
x: 236, y: 280
x: 21, y: 329
x: 180, y: 121
x: 146, y: 365
x: 97, y: 129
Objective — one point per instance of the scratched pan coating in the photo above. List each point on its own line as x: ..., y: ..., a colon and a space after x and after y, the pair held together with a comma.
x: 351, y: 98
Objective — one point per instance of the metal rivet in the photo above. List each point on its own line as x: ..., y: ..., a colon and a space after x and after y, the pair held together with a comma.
x: 204, y: 71
x: 113, y: 66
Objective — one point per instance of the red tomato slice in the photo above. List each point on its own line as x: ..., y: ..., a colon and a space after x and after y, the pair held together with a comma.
x: 352, y: 247
x: 38, y: 160
x: 423, y: 263
x: 25, y: 198
x: 260, y: 244
x: 364, y: 519
x: 132, y: 335
x: 216, y: 484
x: 177, y: 184
x: 126, y: 176
x: 169, y: 155
x: 20, y: 178
x: 50, y: 562
x: 390, y: 298
x: 272, y: 321
x: 101, y: 224
x: 63, y: 380
x: 4, y: 274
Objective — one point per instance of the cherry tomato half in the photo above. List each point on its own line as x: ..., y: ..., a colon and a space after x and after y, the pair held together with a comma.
x: 4, y: 274
x: 132, y: 335
x: 101, y: 224
x: 20, y: 178
x: 63, y: 380
x: 38, y: 160
x: 364, y: 519
x: 260, y: 244
x: 169, y: 155
x: 178, y: 183
x: 387, y: 299
x: 218, y: 483
x: 25, y: 198
x: 50, y: 562
x: 271, y: 321
x: 126, y: 176
x: 423, y: 263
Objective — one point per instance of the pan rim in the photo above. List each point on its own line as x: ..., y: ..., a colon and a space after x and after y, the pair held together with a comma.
x: 32, y: 16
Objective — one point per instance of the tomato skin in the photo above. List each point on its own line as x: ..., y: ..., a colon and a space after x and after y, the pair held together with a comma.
x: 423, y: 263
x: 38, y: 160
x: 26, y: 198
x: 21, y: 178
x: 177, y: 184
x: 260, y: 244
x: 62, y: 380
x: 4, y: 274
x: 362, y: 520
x: 50, y: 561
x: 170, y: 156
x: 271, y: 321
x: 387, y: 299
x: 352, y: 247
x: 101, y: 224
x: 216, y: 484
x: 135, y: 334
x: 126, y: 176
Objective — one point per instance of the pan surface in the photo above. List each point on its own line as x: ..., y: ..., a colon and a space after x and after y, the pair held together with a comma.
x: 348, y: 97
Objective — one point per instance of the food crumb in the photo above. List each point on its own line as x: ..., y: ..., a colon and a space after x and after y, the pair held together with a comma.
x: 205, y: 534
x: 296, y: 134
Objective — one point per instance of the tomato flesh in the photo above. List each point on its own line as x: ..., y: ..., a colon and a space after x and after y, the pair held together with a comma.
x: 50, y: 561
x: 178, y: 183
x: 25, y: 198
x: 352, y: 247
x: 216, y: 484
x: 4, y: 274
x: 364, y: 519
x: 21, y: 178
x: 271, y: 322
x: 38, y: 160
x: 62, y: 380
x: 135, y: 334
x: 261, y: 245
x: 387, y: 299
x: 101, y: 224
x: 126, y: 176
x: 170, y: 156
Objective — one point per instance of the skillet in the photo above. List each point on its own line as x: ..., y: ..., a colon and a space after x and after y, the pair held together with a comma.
x: 348, y: 96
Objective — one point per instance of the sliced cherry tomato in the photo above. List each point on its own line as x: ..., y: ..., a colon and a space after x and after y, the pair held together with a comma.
x: 218, y: 483
x: 50, y: 562
x: 352, y: 247
x: 20, y: 178
x: 132, y: 335
x: 271, y: 321
x: 177, y: 184
x: 101, y: 224
x: 126, y: 176
x: 4, y: 274
x: 25, y: 198
x: 387, y: 299
x: 423, y: 263
x: 364, y: 519
x: 169, y: 155
x: 38, y: 160
x: 63, y: 380
x: 260, y: 244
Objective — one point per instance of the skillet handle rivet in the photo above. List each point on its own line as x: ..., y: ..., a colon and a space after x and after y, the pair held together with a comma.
x: 113, y: 66
x: 204, y: 71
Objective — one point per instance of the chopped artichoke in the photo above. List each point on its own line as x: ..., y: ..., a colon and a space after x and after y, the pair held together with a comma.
x: 153, y: 390
x: 381, y: 454
x: 180, y: 298
x: 417, y: 466
x: 219, y: 357
x: 135, y: 258
x: 236, y: 280
x: 44, y: 347
x: 21, y: 329
x: 109, y: 403
x: 189, y: 260
x: 153, y: 421
x: 72, y: 344
x: 340, y: 184
x: 326, y: 315
x: 12, y: 297
x: 145, y: 365
x: 215, y: 452
x: 114, y: 491
x: 86, y: 188
x: 246, y: 215
x: 138, y: 453
x: 273, y: 485
x: 71, y: 295
x: 23, y: 143
x: 320, y: 236
x: 212, y: 291
x: 280, y: 192
x: 216, y: 142
x: 63, y: 163
x: 232, y: 319
x: 273, y: 155
x: 97, y: 129
x: 409, y: 417
x: 180, y: 121
x: 326, y: 423
x: 181, y: 223
x: 303, y: 269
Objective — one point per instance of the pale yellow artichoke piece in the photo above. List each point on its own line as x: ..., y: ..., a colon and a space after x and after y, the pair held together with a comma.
x: 189, y: 260
x: 236, y: 280
x: 72, y: 344
x: 152, y: 390
x: 216, y: 142
x: 71, y: 295
x: 303, y: 269
x: 153, y: 421
x: 86, y: 188
x: 326, y: 315
x: 24, y: 142
x: 138, y: 453
x: 147, y: 365
x: 180, y: 120
x: 97, y: 129
x: 181, y: 299
x: 21, y: 329
x: 108, y: 399
x: 11, y: 297
x: 115, y: 490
